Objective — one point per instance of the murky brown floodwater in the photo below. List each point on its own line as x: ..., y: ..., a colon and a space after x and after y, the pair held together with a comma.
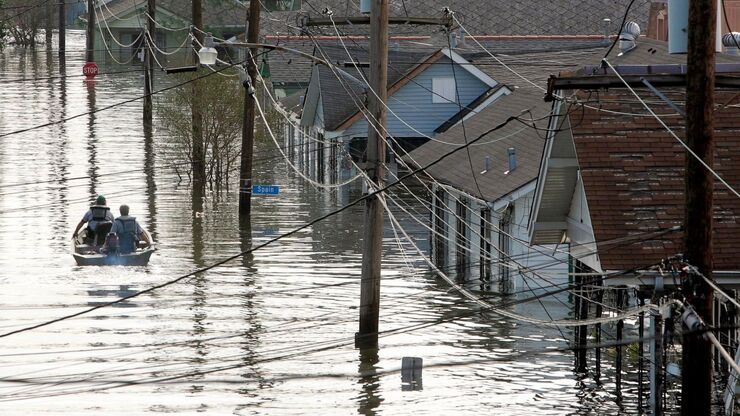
x: 269, y: 334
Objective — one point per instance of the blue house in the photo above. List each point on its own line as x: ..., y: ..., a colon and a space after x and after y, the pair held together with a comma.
x: 427, y: 93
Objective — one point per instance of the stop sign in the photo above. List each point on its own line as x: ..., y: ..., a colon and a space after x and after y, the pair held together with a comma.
x: 90, y: 70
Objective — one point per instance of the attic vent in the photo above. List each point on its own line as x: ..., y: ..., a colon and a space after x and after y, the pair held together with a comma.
x: 487, y: 165
x: 731, y: 41
x: 628, y: 37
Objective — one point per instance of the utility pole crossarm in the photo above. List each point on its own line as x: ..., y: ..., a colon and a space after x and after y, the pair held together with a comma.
x: 365, y: 20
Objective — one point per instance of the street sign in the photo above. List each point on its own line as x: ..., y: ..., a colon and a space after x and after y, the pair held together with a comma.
x: 282, y: 5
x: 89, y: 70
x: 265, y: 189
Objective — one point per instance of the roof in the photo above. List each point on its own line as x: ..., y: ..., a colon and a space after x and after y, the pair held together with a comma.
x: 522, y: 17
x: 647, y: 52
x: 293, y: 103
x: 339, y: 105
x: 456, y: 169
x: 216, y: 13
x: 290, y: 68
x: 633, y: 176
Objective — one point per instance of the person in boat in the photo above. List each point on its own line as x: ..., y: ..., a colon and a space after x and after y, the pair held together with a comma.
x: 98, y: 213
x: 128, y: 232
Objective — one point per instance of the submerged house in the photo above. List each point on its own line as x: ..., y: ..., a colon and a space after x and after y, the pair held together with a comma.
x: 482, y: 196
x: 120, y: 25
x: 424, y: 92
x: 612, y: 180
x: 612, y: 184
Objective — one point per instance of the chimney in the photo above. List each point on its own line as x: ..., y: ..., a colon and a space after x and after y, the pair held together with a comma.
x: 512, y: 160
x: 607, y: 29
x: 731, y: 42
x: 365, y: 6
x: 453, y: 39
x: 678, y: 23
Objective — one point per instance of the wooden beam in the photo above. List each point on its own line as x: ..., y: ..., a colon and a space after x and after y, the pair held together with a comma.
x: 365, y: 20
x: 635, y: 81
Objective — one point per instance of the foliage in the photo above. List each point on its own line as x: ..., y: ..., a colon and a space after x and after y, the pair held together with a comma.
x: 22, y: 22
x: 221, y: 105
x: 3, y: 32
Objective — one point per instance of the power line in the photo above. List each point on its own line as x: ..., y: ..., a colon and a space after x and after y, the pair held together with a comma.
x: 262, y: 245
x: 108, y: 107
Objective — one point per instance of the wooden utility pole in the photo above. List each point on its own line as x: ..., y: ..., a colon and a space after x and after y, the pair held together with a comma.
x: 62, y: 26
x: 245, y: 172
x: 90, y: 35
x: 49, y: 24
x: 198, y: 161
x: 151, y: 29
x: 373, y: 237
x: 697, y: 350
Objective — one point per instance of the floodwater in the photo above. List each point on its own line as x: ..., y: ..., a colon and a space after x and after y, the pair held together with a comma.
x: 268, y: 333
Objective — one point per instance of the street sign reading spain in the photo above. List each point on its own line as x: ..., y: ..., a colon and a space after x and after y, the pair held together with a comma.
x: 282, y: 5
x: 265, y: 189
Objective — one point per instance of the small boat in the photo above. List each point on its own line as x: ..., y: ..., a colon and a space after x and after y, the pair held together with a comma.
x: 91, y: 253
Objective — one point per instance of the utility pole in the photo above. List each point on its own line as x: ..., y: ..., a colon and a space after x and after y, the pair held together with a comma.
x: 151, y: 29
x: 90, y: 38
x: 198, y: 162
x: 697, y: 350
x: 373, y: 238
x: 245, y: 172
x: 62, y: 26
x: 48, y: 27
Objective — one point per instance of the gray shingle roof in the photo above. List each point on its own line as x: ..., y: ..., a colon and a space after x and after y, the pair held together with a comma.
x: 491, y: 17
x: 216, y: 13
x: 456, y: 169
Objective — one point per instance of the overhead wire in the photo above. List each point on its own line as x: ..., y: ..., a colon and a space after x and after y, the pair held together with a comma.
x: 118, y: 104
x: 689, y: 150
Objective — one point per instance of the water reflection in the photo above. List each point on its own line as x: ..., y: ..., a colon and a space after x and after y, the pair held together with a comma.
x: 199, y: 304
x: 151, y: 184
x: 60, y: 166
x: 369, y: 400
x: 92, y: 139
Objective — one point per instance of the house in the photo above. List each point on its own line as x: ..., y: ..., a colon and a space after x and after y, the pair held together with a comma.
x: 611, y: 181
x: 425, y: 90
x: 482, y: 195
x: 657, y: 25
x: 120, y: 24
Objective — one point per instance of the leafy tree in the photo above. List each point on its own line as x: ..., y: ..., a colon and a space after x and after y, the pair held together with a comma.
x: 221, y: 103
x: 21, y: 22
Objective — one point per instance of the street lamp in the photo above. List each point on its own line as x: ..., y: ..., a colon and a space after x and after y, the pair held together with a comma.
x: 208, y: 54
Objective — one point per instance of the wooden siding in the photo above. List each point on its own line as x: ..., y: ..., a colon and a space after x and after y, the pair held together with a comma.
x: 413, y: 102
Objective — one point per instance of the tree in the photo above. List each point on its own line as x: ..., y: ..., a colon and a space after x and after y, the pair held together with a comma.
x: 221, y: 104
x: 22, y: 22
x: 3, y: 32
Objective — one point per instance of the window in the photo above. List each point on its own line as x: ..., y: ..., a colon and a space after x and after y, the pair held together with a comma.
x: 443, y: 90
x: 485, y: 243
x: 462, y: 237
x: 440, y: 225
x: 504, y: 242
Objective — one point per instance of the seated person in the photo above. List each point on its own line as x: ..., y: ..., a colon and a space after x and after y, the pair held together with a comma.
x: 129, y: 232
x: 96, y: 214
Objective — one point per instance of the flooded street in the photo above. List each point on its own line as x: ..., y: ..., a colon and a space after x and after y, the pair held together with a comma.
x: 271, y: 332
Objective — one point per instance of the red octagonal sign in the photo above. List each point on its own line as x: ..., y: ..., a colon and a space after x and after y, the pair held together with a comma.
x: 90, y: 70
